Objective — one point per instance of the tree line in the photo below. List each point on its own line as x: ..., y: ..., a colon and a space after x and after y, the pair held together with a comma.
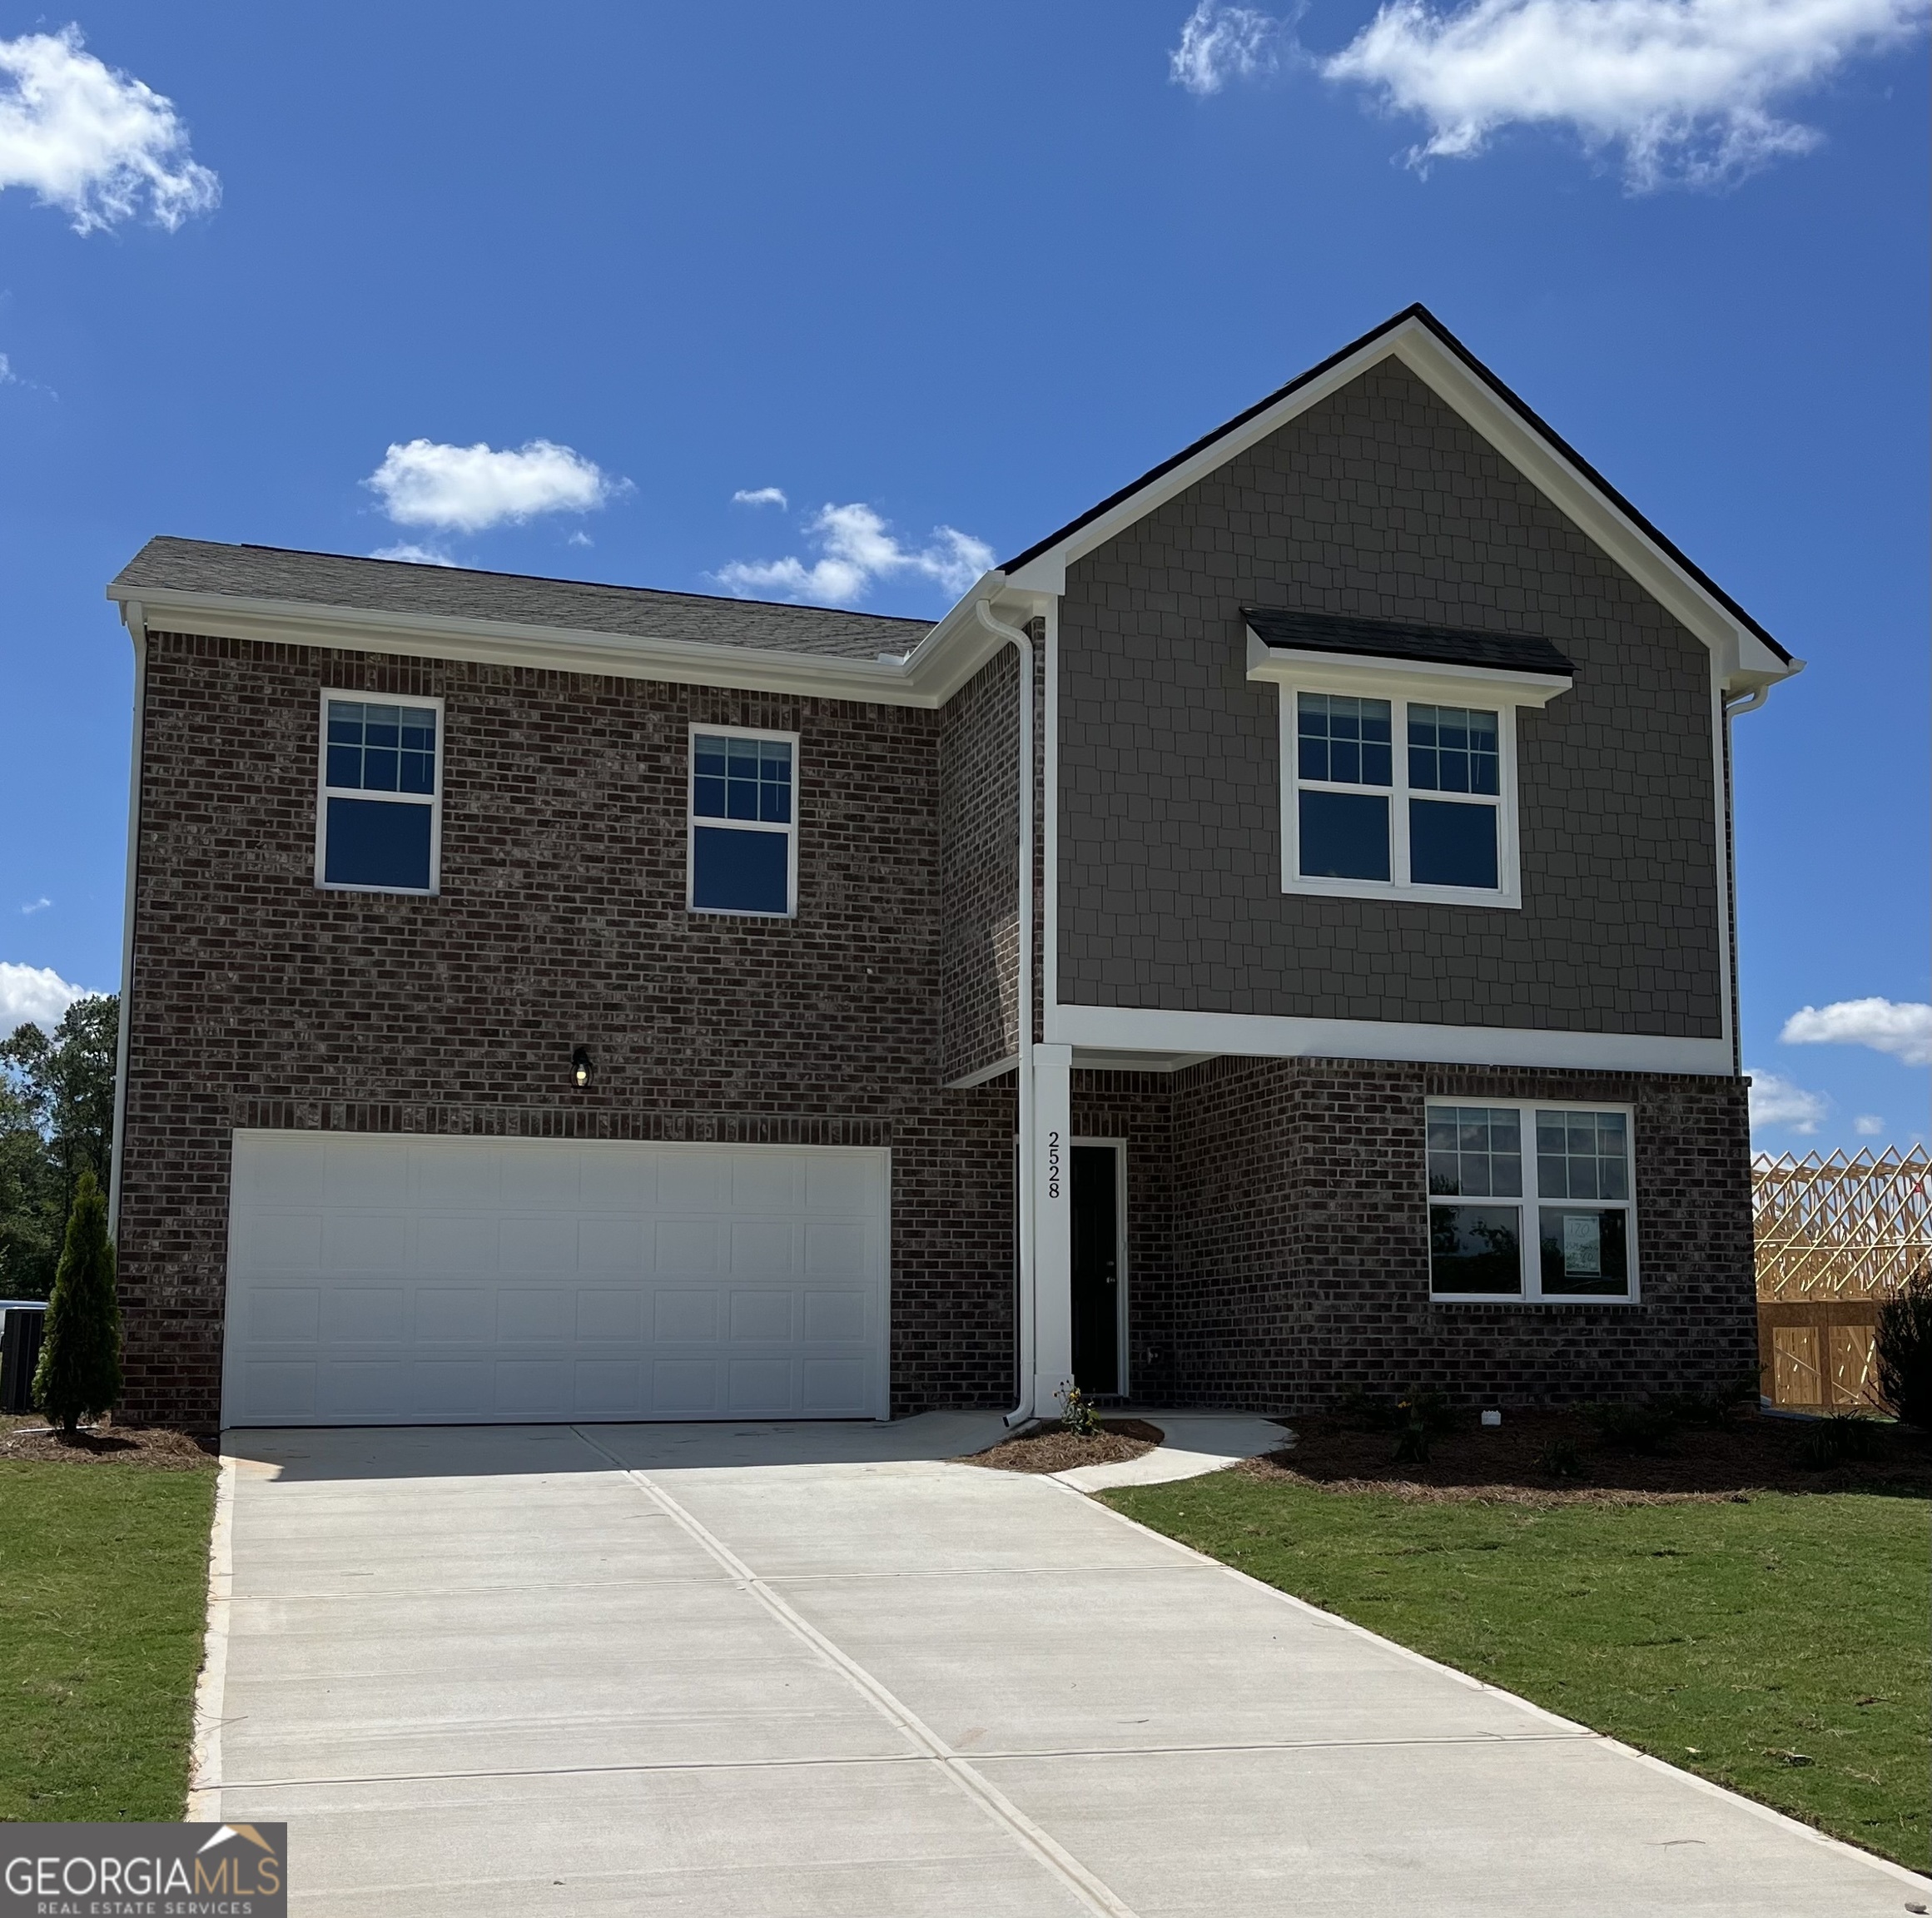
x: 56, y: 1122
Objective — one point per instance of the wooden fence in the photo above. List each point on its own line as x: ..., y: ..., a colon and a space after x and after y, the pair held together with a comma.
x: 1836, y: 1238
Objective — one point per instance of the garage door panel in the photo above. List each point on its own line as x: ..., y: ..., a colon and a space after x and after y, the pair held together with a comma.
x: 690, y: 1248
x: 280, y: 1392
x: 830, y: 1387
x: 369, y: 1172
x: 453, y: 1387
x: 759, y: 1387
x: 368, y: 1388
x: 533, y: 1388
x: 455, y: 1316
x: 763, y: 1248
x: 451, y: 1175
x: 282, y: 1242
x: 762, y: 1316
x: 366, y: 1315
x: 285, y: 1314
x: 453, y: 1243
x: 614, y: 1178
x: 540, y: 1174
x: 459, y: 1280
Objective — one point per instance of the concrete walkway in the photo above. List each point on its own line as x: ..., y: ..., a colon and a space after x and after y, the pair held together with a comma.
x: 1193, y: 1445
x: 817, y: 1670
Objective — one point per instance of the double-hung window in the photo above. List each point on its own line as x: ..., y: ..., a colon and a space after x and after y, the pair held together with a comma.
x: 1399, y: 768
x: 378, y: 812
x: 744, y: 821
x: 1405, y: 794
x: 1531, y: 1201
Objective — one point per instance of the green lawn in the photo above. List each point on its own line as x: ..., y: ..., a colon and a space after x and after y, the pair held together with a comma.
x: 103, y: 1588
x: 1779, y: 1646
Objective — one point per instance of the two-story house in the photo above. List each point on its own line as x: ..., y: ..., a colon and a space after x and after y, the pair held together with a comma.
x: 548, y: 1000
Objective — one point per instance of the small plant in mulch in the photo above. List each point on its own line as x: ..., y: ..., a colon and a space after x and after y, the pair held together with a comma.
x: 1423, y: 1415
x: 1627, y: 1428
x: 1839, y: 1437
x: 1560, y: 1459
x: 1078, y: 1416
x: 1368, y: 1412
x: 1718, y: 1403
x: 1902, y: 1350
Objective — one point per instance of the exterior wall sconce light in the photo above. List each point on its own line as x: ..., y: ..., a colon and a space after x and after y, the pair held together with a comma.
x: 580, y: 1068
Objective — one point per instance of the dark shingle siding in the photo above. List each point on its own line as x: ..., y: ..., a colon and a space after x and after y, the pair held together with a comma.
x: 1379, y: 504
x: 394, y: 586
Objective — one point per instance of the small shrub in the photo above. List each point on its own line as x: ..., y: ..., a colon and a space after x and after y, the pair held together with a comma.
x: 1420, y: 1415
x: 1718, y: 1402
x: 1902, y: 1350
x: 1837, y: 1439
x: 79, y: 1373
x: 1561, y: 1459
x: 1626, y: 1428
x: 1369, y: 1412
x: 1078, y: 1416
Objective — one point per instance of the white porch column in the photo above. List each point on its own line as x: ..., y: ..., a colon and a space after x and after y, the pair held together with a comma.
x: 1052, y: 1176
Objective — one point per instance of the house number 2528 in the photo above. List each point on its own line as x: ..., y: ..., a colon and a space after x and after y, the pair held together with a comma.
x: 1053, y: 1165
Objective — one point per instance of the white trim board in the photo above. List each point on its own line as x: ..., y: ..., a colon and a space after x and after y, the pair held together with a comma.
x: 1261, y: 1036
x: 925, y: 678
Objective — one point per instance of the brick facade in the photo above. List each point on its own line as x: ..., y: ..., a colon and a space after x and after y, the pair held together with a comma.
x: 561, y: 922
x: 1279, y: 1251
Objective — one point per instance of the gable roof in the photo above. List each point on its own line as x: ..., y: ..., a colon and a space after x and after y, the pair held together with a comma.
x: 1490, y: 408
x: 276, y: 575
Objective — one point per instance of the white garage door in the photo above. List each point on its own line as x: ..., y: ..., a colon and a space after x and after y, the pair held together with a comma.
x: 393, y: 1278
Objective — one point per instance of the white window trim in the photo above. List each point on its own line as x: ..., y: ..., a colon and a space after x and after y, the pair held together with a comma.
x: 1402, y: 683
x: 692, y: 822
x: 1529, y: 1241
x: 324, y: 792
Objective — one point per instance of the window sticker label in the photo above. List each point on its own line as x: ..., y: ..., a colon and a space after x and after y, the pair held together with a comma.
x: 1582, y: 1244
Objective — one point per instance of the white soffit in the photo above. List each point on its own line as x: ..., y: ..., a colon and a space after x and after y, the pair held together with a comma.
x: 1739, y: 653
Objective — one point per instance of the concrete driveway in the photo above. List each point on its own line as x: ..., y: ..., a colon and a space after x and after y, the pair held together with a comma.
x: 779, y: 1670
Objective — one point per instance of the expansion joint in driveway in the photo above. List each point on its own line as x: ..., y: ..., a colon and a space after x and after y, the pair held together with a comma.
x: 1080, y: 1881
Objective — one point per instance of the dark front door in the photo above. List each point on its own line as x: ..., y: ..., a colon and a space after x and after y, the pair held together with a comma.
x: 1096, y: 1269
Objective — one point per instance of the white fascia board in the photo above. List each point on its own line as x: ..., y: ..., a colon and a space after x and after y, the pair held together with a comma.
x: 1143, y: 1030
x: 1345, y: 671
x: 925, y: 678
x: 1744, y: 658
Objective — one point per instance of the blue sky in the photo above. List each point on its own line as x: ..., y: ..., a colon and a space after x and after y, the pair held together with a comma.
x: 959, y: 271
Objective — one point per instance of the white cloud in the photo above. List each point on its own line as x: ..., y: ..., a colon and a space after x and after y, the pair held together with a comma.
x: 1905, y: 1030
x: 579, y: 538
x: 1219, y: 42
x: 97, y: 144
x: 1868, y: 1125
x: 39, y: 905
x: 1775, y: 1101
x: 468, y: 489
x: 415, y: 555
x: 760, y: 496
x: 855, y: 549
x: 37, y: 993
x: 6, y: 372
x: 1684, y: 87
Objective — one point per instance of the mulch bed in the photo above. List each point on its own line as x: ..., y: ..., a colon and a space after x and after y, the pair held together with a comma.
x: 150, y: 1446
x: 1050, y: 1448
x: 1749, y: 1454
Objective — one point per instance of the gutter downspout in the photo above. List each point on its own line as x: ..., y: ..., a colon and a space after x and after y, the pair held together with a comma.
x: 1023, y: 1412
x: 137, y: 624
